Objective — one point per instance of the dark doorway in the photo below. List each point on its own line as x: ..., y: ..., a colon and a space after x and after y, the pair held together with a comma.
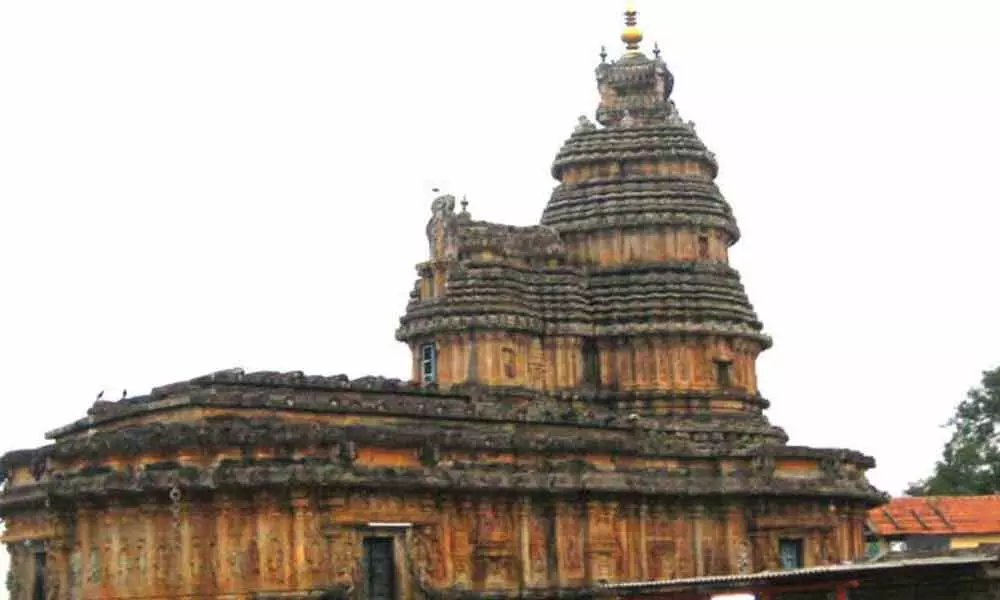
x: 380, y: 569
x: 790, y: 553
x: 38, y: 589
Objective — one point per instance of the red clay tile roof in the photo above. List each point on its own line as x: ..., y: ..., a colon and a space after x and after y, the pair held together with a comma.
x: 937, y: 515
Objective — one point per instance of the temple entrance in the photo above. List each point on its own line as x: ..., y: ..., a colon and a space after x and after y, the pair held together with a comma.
x: 380, y: 568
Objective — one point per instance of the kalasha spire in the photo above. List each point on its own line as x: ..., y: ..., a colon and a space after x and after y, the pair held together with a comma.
x: 635, y: 88
x: 632, y: 35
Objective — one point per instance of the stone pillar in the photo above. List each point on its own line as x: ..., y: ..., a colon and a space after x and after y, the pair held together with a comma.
x: 697, y: 514
x: 643, y: 545
x: 524, y: 540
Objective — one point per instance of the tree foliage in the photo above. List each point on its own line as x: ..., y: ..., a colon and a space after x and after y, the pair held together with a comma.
x: 970, y: 464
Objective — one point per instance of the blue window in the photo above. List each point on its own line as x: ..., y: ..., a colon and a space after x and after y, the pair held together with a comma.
x: 428, y: 363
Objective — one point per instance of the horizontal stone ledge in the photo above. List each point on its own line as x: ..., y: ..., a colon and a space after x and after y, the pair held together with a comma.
x: 387, y: 397
x: 242, y: 478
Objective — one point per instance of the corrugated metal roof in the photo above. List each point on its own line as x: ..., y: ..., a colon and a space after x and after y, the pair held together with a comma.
x: 767, y: 576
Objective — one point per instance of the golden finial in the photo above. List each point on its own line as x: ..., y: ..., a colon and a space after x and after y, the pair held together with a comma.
x: 632, y: 34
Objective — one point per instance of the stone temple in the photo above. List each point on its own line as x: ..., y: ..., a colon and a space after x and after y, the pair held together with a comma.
x: 584, y: 408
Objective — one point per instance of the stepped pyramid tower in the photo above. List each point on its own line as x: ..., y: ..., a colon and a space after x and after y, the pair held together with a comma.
x: 624, y: 290
x: 583, y: 408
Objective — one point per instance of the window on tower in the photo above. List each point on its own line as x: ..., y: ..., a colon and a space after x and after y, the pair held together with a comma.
x: 428, y: 363
x: 591, y: 363
x: 724, y: 373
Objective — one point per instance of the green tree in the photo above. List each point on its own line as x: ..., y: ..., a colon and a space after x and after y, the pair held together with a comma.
x: 970, y: 464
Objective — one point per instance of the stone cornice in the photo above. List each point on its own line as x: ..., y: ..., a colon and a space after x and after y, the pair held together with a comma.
x: 469, y: 478
x: 392, y: 397
x: 389, y: 397
x: 686, y: 438
x: 671, y: 141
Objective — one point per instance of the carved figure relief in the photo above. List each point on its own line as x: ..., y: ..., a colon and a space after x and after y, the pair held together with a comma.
x: 209, y: 564
x: 831, y: 467
x: 489, y: 521
x: 744, y: 557
x: 94, y: 564
x: 763, y: 465
x: 75, y: 574
x: 620, y: 552
x: 571, y: 530
x: 252, y: 554
x: 196, y: 559
x: 428, y: 544
x: 536, y: 364
x: 342, y: 555
x: 140, y: 555
x: 537, y: 545
x: 161, y: 559
x: 509, y: 361
x: 662, y: 554
x: 313, y: 554
x: 236, y: 563
x: 122, y: 569
x: 461, y: 542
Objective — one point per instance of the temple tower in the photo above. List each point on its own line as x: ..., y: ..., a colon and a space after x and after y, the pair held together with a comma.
x: 637, y: 204
x: 630, y: 291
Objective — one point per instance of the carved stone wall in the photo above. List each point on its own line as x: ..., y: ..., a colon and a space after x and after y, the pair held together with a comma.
x: 213, y: 545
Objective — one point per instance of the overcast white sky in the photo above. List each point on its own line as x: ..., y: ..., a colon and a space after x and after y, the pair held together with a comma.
x: 188, y: 186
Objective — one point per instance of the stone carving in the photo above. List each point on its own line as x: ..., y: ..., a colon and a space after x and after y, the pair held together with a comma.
x: 763, y: 465
x: 538, y: 544
x: 461, y: 543
x: 443, y: 205
x: 831, y: 467
x: 429, y: 550
x: 75, y: 578
x: 744, y: 558
x: 570, y: 530
x: 584, y: 125
x: 342, y: 554
x: 275, y: 564
x: 95, y: 572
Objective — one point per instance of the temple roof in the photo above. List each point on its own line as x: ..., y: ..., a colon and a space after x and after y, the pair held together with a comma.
x: 639, y: 168
x: 231, y: 409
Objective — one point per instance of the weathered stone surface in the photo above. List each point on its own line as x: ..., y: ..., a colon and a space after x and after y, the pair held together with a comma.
x: 593, y: 415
